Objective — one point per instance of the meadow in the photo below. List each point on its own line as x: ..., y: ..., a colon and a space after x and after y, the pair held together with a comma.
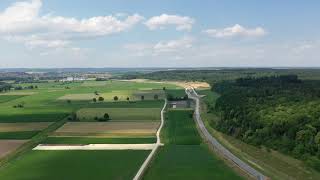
x: 180, y: 128
x: 184, y: 156
x: 80, y: 165
x: 188, y: 162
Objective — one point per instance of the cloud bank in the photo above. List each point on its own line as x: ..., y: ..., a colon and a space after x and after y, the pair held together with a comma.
x: 236, y: 31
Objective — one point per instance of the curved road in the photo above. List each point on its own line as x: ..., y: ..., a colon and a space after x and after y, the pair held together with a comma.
x: 192, y: 94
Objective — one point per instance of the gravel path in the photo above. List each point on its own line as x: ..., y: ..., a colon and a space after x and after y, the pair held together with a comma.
x: 96, y: 147
x: 145, y: 164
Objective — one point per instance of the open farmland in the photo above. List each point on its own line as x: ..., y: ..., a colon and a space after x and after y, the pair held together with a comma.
x: 110, y: 129
x: 130, y: 114
x: 6, y: 98
x: 13, y: 127
x: 80, y: 165
x: 122, y: 95
x: 7, y: 146
x: 98, y: 140
x: 183, y: 156
x: 42, y: 104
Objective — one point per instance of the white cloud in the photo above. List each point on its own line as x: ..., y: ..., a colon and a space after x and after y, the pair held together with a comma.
x: 163, y: 47
x: 160, y: 22
x: 236, y: 31
x: 22, y: 21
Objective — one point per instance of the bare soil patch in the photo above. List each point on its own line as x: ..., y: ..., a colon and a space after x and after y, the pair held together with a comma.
x: 7, y: 146
x: 14, y: 127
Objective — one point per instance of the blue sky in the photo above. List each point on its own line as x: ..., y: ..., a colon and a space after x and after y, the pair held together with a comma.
x: 166, y: 33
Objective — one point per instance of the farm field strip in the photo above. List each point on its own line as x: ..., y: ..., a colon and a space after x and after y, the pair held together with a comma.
x: 88, y: 114
x: 79, y: 165
x: 14, y: 127
x: 98, y: 140
x: 96, y: 147
x: 102, y: 127
x: 184, y: 156
x: 7, y: 146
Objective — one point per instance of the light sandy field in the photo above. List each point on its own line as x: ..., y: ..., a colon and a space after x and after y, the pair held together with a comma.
x: 14, y: 127
x: 195, y: 84
x: 108, y: 128
x: 96, y: 147
x: 7, y: 146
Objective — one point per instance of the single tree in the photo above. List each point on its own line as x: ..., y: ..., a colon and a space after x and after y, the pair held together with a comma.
x: 156, y: 97
x: 69, y: 101
x: 142, y: 98
x: 101, y: 98
x: 115, y: 98
x: 96, y: 93
x: 94, y: 99
x: 164, y: 88
x: 128, y: 99
x: 106, y: 116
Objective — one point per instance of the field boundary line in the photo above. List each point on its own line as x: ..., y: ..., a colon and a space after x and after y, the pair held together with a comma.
x: 146, y: 163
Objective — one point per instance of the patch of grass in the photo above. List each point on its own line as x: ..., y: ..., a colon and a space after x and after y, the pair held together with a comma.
x: 96, y: 140
x: 18, y: 135
x: 175, y: 94
x: 6, y: 98
x: 150, y: 114
x: 80, y: 165
x: 179, y: 128
x: 188, y: 162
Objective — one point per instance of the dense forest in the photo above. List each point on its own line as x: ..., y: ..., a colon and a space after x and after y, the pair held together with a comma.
x: 4, y: 87
x: 279, y: 112
x: 217, y: 75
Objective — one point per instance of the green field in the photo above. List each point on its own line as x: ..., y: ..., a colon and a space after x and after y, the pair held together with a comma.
x: 43, y: 104
x: 150, y: 114
x: 188, y: 162
x: 18, y: 135
x: 6, y: 98
x: 99, y: 140
x: 79, y: 165
x: 184, y: 156
x: 180, y: 129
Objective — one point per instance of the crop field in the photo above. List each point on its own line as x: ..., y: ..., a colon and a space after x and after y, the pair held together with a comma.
x: 80, y: 165
x: 7, y: 146
x: 108, y: 129
x: 6, y: 98
x: 188, y: 162
x: 184, y: 156
x: 13, y: 127
x: 122, y: 95
x: 18, y: 135
x: 42, y: 104
x: 99, y: 140
x: 180, y: 128
x: 130, y: 114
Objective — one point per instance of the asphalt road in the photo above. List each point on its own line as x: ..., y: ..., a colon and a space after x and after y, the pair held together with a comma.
x: 216, y: 145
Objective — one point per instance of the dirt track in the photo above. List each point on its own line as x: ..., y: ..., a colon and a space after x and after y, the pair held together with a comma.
x: 12, y: 127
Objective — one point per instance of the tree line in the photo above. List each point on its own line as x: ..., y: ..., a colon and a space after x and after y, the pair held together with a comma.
x: 278, y: 112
